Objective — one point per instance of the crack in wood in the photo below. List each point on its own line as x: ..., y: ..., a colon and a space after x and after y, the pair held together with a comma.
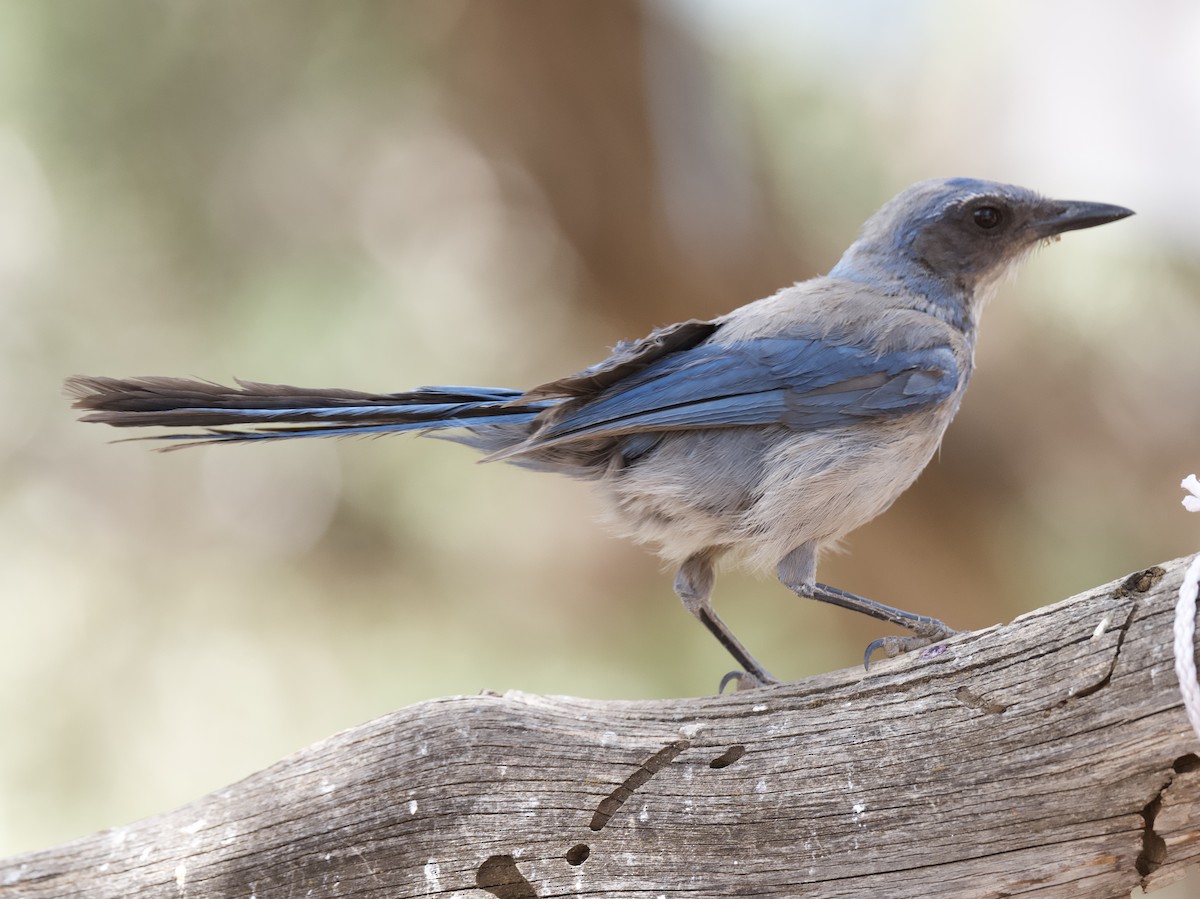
x: 1140, y: 581
x: 1162, y: 817
x: 973, y: 700
x: 1154, y: 847
x: 1122, y: 631
x: 1186, y: 763
x: 578, y: 854
x: 499, y: 876
x: 728, y: 757
x: 613, y: 801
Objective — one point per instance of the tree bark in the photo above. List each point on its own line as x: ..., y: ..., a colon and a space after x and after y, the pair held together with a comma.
x: 613, y: 116
x: 1050, y: 756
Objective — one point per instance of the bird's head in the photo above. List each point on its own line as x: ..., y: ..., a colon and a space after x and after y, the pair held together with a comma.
x: 962, y: 233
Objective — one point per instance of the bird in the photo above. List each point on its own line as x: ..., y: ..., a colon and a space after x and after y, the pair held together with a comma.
x: 761, y: 437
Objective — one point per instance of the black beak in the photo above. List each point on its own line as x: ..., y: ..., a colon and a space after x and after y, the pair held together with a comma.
x: 1071, y: 215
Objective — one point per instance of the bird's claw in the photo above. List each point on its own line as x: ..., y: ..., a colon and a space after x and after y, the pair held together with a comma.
x: 744, y: 680
x: 894, y: 646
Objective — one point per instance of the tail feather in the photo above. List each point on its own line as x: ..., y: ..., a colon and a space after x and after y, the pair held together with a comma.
x: 254, y: 411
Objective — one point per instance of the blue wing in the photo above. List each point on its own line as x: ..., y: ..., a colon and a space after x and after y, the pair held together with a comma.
x: 802, y: 384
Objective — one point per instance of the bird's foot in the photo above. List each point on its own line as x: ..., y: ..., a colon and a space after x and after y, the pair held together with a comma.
x: 745, y: 680
x: 894, y: 646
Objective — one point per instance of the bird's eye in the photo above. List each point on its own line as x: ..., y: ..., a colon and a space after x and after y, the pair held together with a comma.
x: 986, y: 217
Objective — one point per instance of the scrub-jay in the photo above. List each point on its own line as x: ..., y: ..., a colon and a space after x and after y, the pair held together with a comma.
x: 763, y: 435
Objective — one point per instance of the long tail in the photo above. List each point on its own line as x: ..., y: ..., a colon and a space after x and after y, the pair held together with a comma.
x: 253, y: 411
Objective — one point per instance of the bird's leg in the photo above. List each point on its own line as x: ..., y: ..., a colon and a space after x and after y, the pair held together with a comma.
x: 694, y: 584
x: 797, y: 571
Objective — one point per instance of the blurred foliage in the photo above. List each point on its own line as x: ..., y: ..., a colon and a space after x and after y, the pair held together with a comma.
x: 383, y: 195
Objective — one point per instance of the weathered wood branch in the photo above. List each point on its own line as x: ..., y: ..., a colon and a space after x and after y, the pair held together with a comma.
x: 1050, y: 756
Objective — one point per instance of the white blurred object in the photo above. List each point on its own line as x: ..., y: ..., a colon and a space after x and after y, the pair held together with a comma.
x: 1185, y: 621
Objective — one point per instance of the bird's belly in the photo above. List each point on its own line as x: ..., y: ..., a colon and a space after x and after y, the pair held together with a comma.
x: 806, y: 501
x: 763, y: 492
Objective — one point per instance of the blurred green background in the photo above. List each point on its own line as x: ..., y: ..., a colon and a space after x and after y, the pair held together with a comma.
x: 380, y: 195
